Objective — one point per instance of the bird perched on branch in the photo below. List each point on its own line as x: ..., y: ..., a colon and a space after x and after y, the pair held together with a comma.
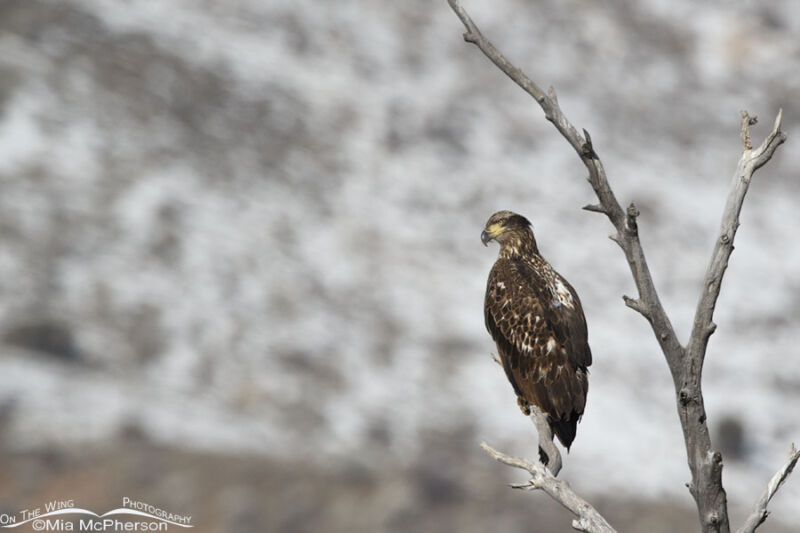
x: 536, y: 319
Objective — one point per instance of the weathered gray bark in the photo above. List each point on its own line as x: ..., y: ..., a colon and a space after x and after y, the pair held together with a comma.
x: 589, y: 520
x: 685, y: 362
x: 759, y: 512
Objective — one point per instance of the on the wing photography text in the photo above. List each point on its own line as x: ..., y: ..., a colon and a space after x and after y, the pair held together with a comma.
x: 58, y: 515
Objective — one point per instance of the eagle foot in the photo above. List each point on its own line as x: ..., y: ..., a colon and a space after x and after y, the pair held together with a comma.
x: 543, y: 458
x: 524, y: 406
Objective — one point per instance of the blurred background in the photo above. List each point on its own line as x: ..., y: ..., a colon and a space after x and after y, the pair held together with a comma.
x: 241, y: 275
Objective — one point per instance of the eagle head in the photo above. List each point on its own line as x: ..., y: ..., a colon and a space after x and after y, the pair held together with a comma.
x: 505, y: 226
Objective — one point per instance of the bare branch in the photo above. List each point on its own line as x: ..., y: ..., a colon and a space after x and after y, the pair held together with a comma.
x: 589, y: 520
x: 636, y: 305
x: 759, y: 512
x: 597, y: 208
x: 706, y: 486
x: 747, y: 121
x: 549, y: 103
x: 775, y: 138
x: 750, y: 161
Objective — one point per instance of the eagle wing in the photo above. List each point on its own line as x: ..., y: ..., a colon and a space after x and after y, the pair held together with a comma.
x: 541, y: 339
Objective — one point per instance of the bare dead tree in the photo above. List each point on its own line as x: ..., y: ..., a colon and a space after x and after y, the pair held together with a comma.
x: 685, y: 362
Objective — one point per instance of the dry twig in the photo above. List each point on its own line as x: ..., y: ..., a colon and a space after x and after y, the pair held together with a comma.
x: 759, y: 512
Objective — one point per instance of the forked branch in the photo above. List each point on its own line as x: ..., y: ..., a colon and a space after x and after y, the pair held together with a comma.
x: 588, y: 519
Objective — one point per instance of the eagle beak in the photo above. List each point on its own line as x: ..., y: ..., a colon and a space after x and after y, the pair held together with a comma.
x: 485, y: 238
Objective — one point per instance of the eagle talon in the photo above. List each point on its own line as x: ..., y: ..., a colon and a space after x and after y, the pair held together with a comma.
x: 524, y: 406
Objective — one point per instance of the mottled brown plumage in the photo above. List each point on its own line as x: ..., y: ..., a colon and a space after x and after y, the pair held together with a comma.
x: 537, y: 322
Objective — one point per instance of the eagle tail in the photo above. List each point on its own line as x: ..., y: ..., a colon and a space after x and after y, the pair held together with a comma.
x: 565, y: 429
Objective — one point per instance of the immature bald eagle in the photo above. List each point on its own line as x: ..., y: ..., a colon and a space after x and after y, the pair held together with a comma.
x: 536, y: 319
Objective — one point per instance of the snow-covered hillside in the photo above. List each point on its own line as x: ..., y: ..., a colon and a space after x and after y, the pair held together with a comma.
x: 254, y: 226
